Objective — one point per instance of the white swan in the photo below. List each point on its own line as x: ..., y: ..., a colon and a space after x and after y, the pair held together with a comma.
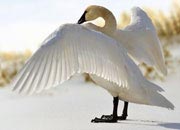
x: 73, y: 49
x: 139, y: 38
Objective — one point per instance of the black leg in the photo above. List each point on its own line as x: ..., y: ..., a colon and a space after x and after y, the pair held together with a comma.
x: 111, y: 118
x: 115, y: 106
x: 124, y: 114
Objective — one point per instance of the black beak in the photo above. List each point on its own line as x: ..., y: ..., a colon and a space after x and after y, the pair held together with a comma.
x: 82, y: 19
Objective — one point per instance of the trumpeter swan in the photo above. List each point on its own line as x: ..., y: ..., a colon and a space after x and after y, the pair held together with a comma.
x: 139, y: 38
x: 73, y: 49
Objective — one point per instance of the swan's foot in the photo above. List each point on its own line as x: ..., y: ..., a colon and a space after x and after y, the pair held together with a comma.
x: 108, y: 119
x: 123, y: 117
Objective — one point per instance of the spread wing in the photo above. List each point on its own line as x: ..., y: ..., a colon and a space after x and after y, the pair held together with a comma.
x: 141, y: 40
x: 69, y: 50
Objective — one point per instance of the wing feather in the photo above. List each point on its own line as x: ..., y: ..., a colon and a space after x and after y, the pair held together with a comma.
x: 38, y: 75
x: 55, y: 66
x: 30, y: 76
x: 51, y: 73
x: 58, y: 70
x: 141, y: 40
x: 72, y: 49
x: 40, y: 84
x: 23, y: 79
x: 48, y: 69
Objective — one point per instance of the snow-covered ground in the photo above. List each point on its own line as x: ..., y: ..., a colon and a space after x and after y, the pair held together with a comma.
x: 71, y: 106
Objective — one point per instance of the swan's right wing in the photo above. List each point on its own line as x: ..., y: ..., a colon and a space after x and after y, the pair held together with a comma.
x: 141, y: 40
x: 140, y: 21
x: 69, y: 50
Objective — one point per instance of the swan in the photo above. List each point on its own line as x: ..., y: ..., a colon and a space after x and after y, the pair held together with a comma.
x: 74, y: 49
x: 139, y: 38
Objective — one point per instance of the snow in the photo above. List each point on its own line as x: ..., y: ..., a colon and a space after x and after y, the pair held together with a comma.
x: 72, y: 105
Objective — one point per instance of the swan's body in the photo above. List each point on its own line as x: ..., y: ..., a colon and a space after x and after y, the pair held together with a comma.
x: 73, y: 49
x: 139, y: 38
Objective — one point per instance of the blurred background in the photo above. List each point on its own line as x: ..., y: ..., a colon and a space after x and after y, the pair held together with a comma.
x: 24, y: 25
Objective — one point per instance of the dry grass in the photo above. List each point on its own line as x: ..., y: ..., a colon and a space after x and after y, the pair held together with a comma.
x: 167, y: 26
x: 10, y: 64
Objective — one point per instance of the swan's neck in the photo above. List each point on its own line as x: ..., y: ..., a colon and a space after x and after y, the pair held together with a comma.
x: 110, y: 21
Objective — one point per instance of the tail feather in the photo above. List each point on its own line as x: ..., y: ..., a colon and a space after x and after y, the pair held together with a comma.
x: 154, y: 98
x: 157, y: 99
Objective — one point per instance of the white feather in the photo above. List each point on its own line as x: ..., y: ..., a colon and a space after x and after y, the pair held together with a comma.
x: 141, y: 40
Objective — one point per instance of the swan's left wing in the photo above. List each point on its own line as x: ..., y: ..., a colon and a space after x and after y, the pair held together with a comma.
x: 142, y: 42
x: 69, y: 50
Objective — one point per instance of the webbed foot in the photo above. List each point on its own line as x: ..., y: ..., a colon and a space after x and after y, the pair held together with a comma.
x: 107, y: 119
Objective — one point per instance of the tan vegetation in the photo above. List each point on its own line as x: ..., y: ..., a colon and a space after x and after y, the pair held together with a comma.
x: 10, y: 64
x: 167, y: 25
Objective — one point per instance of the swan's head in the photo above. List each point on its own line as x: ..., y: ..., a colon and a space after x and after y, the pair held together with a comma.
x: 91, y: 13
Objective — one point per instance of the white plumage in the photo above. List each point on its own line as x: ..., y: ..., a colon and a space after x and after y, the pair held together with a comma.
x: 142, y: 42
x: 73, y: 49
